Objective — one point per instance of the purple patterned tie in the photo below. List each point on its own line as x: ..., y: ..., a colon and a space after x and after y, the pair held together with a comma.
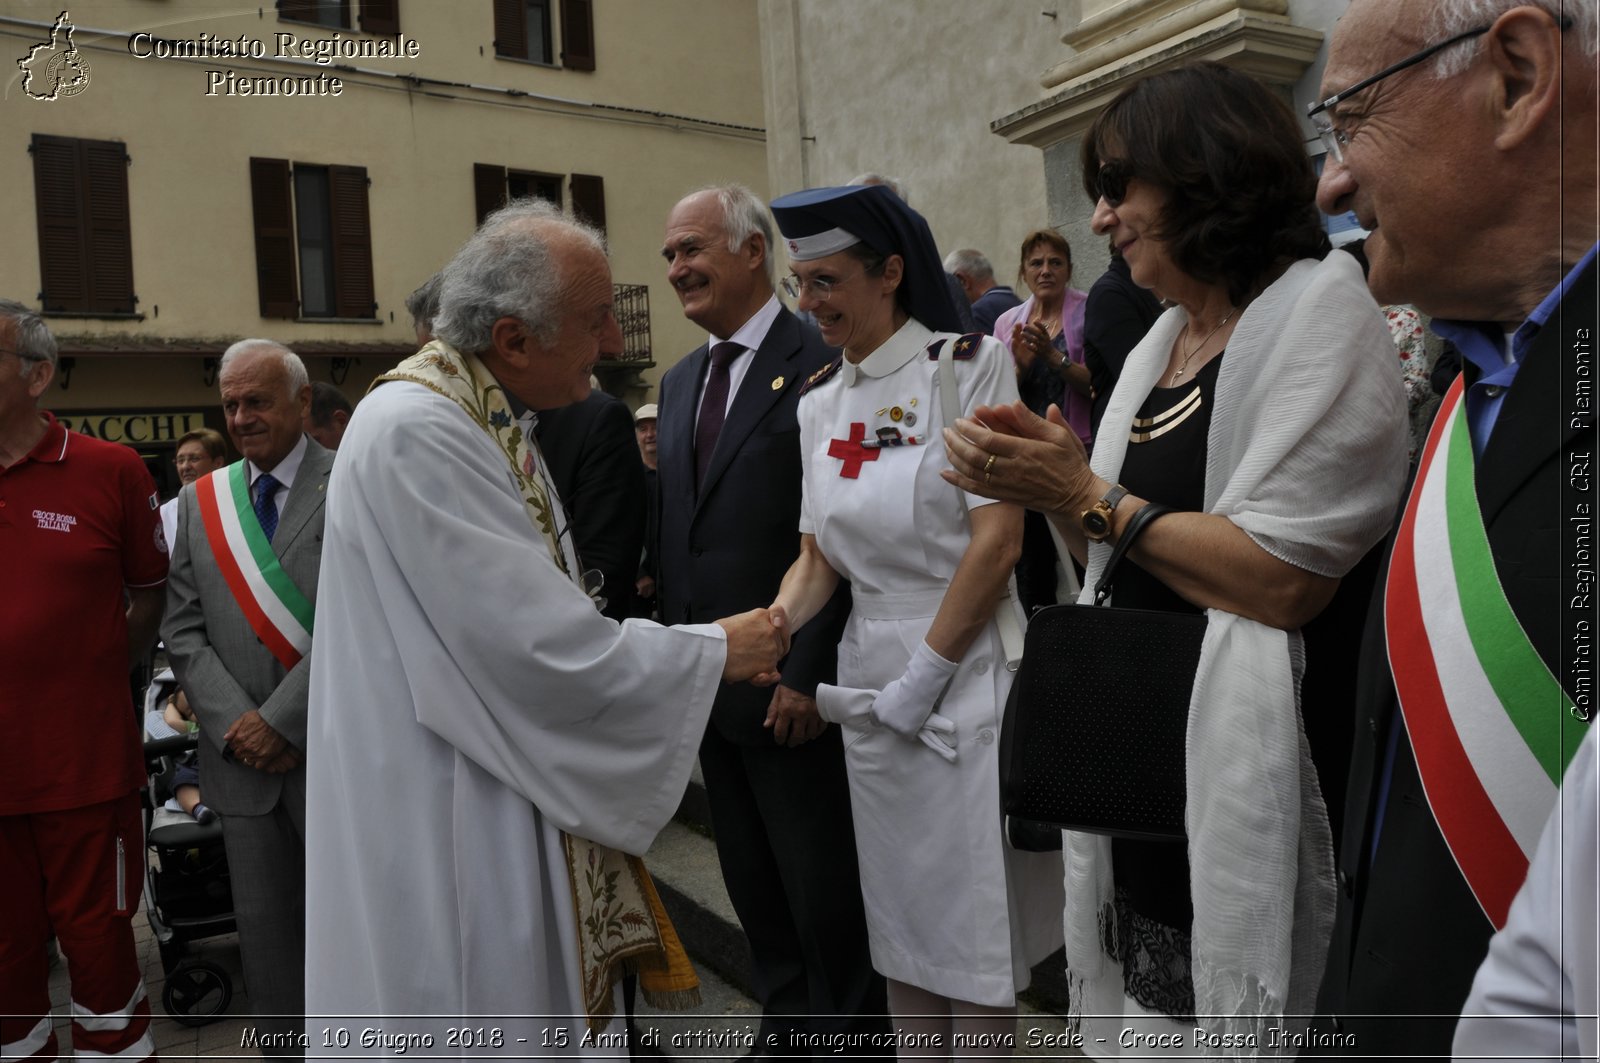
x: 713, y: 408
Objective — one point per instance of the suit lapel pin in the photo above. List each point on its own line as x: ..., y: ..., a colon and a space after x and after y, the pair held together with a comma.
x: 777, y: 383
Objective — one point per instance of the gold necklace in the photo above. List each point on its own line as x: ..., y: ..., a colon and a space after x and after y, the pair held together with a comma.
x: 1184, y: 367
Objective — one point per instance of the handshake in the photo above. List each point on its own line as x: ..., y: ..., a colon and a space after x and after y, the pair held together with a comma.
x: 757, y: 641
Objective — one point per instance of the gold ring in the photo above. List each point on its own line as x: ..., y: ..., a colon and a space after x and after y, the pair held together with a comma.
x: 988, y: 467
x: 986, y: 476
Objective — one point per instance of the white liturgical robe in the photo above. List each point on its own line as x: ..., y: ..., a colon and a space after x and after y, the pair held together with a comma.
x: 468, y: 702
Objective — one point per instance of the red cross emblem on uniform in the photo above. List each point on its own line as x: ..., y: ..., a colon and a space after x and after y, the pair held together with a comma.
x: 851, y: 452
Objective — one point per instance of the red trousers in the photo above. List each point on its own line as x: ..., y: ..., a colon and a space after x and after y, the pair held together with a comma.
x: 79, y: 872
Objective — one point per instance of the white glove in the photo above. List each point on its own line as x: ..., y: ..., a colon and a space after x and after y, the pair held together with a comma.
x: 845, y: 705
x: 904, y: 705
x: 939, y: 735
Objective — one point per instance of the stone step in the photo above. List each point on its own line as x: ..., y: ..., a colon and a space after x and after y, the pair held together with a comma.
x: 683, y: 862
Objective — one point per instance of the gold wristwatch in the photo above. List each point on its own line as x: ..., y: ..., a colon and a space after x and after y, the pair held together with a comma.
x: 1096, y: 520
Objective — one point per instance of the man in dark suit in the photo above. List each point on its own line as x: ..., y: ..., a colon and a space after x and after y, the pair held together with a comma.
x: 594, y: 461
x: 1501, y: 125
x: 238, y: 635
x: 728, y: 461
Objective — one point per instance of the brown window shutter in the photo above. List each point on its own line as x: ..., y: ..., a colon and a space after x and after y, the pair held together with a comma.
x: 273, y: 211
x: 380, y: 17
x: 300, y: 10
x: 510, y: 28
x: 352, y: 242
x: 489, y: 186
x: 589, y: 199
x: 110, y: 245
x: 577, y: 34
x: 58, y: 182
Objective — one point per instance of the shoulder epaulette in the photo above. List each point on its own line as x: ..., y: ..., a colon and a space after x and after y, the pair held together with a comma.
x: 821, y: 374
x: 965, y: 347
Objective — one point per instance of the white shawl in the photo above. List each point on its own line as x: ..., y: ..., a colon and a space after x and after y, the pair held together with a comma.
x: 1306, y: 453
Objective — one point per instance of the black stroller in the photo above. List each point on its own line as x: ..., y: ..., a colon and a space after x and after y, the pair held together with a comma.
x: 187, y: 892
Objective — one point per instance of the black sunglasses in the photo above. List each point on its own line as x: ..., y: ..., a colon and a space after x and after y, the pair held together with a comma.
x: 1112, y: 180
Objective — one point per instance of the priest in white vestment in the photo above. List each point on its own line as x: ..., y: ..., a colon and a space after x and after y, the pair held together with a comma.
x: 482, y: 739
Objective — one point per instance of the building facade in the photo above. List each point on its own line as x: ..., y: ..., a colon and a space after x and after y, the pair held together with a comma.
x: 981, y: 105
x: 182, y: 176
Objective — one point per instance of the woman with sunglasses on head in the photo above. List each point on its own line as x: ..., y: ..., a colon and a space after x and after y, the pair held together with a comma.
x: 1263, y: 409
x: 955, y: 919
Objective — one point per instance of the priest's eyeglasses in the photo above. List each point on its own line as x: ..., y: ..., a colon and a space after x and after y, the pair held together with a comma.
x: 820, y: 289
x: 1336, y: 139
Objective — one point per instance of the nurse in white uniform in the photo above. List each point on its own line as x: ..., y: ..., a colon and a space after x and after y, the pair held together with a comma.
x: 956, y: 919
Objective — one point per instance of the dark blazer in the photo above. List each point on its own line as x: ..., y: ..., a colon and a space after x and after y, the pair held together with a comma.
x: 594, y: 460
x: 1409, y: 934
x: 725, y: 548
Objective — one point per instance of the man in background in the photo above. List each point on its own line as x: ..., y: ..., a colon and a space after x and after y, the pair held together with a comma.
x: 972, y: 270
x: 729, y: 467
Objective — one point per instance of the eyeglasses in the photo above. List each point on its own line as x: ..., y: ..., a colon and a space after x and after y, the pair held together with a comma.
x: 1113, y: 181
x: 22, y: 357
x: 1336, y: 139
x: 820, y: 289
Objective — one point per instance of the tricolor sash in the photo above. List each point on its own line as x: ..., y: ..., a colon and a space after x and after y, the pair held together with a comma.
x: 1491, y: 727
x: 274, y: 607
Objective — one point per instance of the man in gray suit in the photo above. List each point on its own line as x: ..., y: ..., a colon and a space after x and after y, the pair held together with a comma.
x: 240, y: 596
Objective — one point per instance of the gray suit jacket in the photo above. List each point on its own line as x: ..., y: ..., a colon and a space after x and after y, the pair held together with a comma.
x: 220, y: 663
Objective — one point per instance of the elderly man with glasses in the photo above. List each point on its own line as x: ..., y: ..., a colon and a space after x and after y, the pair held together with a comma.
x: 1462, y: 135
x: 83, y: 572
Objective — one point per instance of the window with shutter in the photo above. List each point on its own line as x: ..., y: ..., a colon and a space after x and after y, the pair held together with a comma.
x: 380, y: 17
x: 85, y: 248
x: 577, y: 34
x: 589, y: 199
x: 313, y: 240
x: 523, y: 30
x: 273, y: 208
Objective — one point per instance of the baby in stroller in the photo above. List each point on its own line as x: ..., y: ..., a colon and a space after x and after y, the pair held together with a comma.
x: 173, y: 719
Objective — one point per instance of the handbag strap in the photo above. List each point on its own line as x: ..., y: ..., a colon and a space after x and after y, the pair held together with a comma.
x: 1011, y: 636
x: 1147, y: 513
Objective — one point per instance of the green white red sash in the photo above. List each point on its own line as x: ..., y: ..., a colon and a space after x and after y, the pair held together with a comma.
x: 1491, y: 727
x: 274, y: 607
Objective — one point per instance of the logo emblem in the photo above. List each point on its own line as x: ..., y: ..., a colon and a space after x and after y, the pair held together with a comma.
x: 55, y: 68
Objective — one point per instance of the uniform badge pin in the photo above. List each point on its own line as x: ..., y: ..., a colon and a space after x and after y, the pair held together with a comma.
x: 777, y: 383
x: 909, y: 420
x: 895, y: 413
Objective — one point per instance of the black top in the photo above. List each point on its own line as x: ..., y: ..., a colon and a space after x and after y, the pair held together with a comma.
x: 1165, y: 463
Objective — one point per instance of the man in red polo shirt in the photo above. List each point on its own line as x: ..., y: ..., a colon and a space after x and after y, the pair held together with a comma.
x: 79, y: 530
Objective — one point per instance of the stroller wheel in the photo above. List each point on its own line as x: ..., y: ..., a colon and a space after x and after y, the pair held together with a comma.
x: 197, y: 993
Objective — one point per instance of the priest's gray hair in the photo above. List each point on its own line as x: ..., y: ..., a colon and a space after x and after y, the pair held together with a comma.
x: 508, y: 269
x: 1450, y: 17
x: 744, y: 216
x: 894, y: 184
x: 293, y: 367
x: 30, y: 334
x: 972, y: 262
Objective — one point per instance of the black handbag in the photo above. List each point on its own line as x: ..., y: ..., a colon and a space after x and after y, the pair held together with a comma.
x: 1094, y: 730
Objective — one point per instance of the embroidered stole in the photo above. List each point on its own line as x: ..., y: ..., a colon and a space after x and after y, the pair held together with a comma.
x: 621, y: 923
x: 1492, y: 729
x: 276, y: 610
